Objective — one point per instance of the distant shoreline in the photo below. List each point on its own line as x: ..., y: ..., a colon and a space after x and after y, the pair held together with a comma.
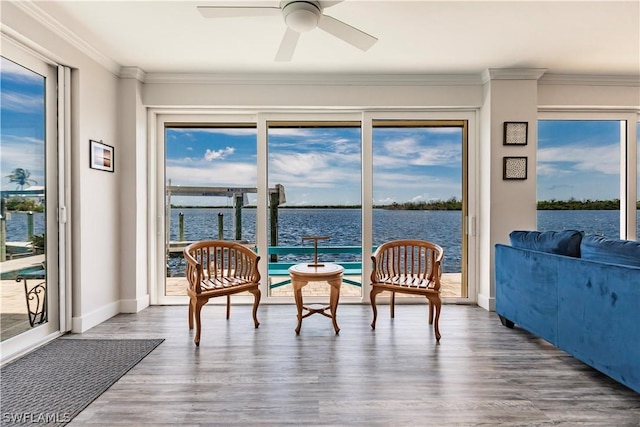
x: 450, y: 205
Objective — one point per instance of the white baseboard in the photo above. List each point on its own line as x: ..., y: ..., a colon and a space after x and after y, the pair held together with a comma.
x: 486, y: 302
x: 82, y: 323
x: 134, y: 305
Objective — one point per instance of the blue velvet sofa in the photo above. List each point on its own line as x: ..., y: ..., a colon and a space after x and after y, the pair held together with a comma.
x: 579, y: 293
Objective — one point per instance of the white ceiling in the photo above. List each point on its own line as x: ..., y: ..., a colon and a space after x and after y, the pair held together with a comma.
x: 415, y: 37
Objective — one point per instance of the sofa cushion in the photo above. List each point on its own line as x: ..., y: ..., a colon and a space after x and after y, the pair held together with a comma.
x: 598, y: 248
x: 565, y: 242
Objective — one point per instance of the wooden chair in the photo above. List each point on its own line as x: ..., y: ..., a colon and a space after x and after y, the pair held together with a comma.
x: 410, y: 267
x: 216, y: 268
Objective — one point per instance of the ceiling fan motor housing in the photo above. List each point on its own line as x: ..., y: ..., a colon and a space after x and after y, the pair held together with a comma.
x: 301, y: 16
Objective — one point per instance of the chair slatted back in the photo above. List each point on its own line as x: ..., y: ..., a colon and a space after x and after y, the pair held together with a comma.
x: 408, y: 263
x: 220, y: 262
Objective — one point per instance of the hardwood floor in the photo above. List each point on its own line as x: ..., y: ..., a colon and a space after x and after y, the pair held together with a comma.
x: 481, y: 373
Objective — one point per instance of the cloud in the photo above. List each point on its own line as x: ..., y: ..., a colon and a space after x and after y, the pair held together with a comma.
x: 21, y: 103
x: 314, y: 169
x: 403, y: 187
x: 207, y: 174
x: 446, y: 130
x: 603, y: 159
x: 409, y: 151
x: 22, y: 152
x: 14, y: 73
x: 385, y: 201
x: 211, y: 155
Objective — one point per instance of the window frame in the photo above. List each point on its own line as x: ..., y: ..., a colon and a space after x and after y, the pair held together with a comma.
x: 628, y: 154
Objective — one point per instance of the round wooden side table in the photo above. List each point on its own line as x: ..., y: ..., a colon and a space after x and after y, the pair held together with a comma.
x: 301, y: 274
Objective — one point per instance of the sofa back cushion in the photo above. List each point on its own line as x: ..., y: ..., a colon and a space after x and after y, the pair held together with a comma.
x: 565, y: 242
x: 598, y: 248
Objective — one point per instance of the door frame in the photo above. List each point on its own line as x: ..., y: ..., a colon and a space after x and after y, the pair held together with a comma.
x: 57, y: 196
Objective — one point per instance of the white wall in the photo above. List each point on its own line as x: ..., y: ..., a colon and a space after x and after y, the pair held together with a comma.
x: 604, y: 93
x: 133, y: 283
x: 505, y: 205
x: 279, y: 94
x: 94, y: 216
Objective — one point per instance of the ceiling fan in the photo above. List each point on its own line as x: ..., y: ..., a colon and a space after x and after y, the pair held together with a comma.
x: 300, y: 16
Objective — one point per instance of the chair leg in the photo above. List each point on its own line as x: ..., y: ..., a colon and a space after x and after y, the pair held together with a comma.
x: 228, y: 306
x: 430, y: 312
x: 256, y: 300
x: 372, y: 296
x: 192, y: 305
x: 437, y: 305
x: 198, y: 309
x: 392, y: 304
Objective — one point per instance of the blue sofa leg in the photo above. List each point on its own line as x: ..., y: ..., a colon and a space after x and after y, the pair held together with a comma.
x: 506, y: 322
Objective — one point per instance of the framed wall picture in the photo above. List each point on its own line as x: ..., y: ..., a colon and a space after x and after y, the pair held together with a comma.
x: 514, y: 168
x: 515, y: 133
x: 101, y: 156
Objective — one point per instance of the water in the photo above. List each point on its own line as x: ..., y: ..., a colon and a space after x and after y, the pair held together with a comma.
x: 344, y: 228
x: 604, y: 223
x: 17, y: 226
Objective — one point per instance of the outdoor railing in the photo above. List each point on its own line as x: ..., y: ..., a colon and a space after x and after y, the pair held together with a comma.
x: 281, y: 267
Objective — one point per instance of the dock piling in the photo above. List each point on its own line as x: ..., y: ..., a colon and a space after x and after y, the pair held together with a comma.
x: 220, y: 226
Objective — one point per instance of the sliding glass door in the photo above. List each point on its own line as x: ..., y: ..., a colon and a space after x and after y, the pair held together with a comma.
x: 29, y: 231
x: 277, y: 181
x: 419, y: 190
x: 578, y: 175
x: 210, y: 190
x: 317, y: 165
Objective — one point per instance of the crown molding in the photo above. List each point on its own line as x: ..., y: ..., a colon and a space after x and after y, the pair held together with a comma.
x: 67, y: 35
x: 317, y: 79
x: 132, y: 73
x: 512, y: 74
x: 591, y: 80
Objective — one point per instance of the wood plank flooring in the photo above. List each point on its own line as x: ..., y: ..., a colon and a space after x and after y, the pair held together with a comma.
x: 481, y: 373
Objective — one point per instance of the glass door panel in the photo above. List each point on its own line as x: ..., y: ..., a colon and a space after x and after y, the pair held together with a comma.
x: 578, y: 176
x: 317, y: 165
x: 211, y: 189
x: 419, y: 182
x: 28, y: 235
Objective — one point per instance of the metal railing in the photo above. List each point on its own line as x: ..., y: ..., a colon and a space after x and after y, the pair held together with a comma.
x: 281, y: 267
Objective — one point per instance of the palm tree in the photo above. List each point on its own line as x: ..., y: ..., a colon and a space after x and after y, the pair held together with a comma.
x: 21, y: 178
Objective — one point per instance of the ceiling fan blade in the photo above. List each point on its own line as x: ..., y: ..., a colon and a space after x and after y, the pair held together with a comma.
x: 237, y: 12
x: 328, y: 3
x: 346, y: 32
x: 287, y: 45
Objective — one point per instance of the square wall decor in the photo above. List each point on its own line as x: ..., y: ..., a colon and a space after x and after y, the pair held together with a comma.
x: 515, y: 133
x: 514, y: 168
x: 101, y: 156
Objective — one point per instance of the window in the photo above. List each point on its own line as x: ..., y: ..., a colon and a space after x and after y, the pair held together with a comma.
x: 317, y: 175
x: 418, y: 189
x: 211, y: 190
x: 31, y: 236
x: 578, y: 176
x: 318, y: 165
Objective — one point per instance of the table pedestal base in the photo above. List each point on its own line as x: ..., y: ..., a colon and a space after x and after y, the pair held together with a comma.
x: 301, y: 274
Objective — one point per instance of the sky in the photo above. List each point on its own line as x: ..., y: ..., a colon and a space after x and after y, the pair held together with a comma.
x: 579, y: 159
x: 22, y: 123
x: 321, y: 166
